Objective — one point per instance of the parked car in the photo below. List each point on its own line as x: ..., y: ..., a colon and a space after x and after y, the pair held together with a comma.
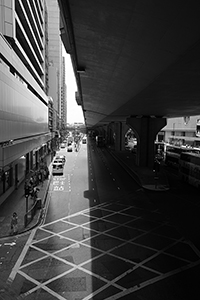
x: 60, y: 157
x: 62, y: 146
x: 59, y: 161
x: 69, y: 148
x: 57, y: 168
x: 84, y: 141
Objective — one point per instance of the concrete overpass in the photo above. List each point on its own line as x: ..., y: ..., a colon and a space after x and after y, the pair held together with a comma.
x: 136, y: 62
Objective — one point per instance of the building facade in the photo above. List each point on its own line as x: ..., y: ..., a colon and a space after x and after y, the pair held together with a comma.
x: 54, y: 57
x: 63, y: 106
x: 24, y: 126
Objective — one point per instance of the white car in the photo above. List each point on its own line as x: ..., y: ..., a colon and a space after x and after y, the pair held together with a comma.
x: 62, y: 146
x: 58, y: 157
x: 57, y: 168
x: 59, y: 161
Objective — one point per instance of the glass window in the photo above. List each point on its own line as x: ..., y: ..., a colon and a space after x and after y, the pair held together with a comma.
x: 5, y: 180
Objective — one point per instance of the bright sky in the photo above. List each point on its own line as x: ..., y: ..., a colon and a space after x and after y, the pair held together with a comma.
x: 74, y: 111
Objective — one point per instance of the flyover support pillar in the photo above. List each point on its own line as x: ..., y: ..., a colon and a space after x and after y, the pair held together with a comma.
x: 110, y: 134
x: 119, y: 135
x: 124, y: 129
x: 146, y: 129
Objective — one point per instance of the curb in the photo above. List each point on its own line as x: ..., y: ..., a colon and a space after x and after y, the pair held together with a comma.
x: 39, y: 218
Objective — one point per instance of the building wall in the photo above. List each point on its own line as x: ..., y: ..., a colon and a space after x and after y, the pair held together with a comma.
x: 55, y: 52
x: 25, y: 137
x: 23, y: 25
x: 63, y: 96
x: 24, y: 105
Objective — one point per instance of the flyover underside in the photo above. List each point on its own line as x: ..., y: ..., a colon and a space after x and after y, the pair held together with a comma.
x: 134, y: 58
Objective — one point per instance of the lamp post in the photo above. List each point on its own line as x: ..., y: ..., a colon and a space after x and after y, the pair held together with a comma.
x: 26, y: 214
x: 26, y: 203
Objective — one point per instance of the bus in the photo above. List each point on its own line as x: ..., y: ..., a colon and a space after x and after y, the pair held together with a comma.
x: 173, y: 152
x: 189, y: 168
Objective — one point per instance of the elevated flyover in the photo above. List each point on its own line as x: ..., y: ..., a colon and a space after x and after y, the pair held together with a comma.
x: 136, y: 63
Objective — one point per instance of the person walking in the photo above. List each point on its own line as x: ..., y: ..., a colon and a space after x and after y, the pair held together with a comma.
x: 14, y: 223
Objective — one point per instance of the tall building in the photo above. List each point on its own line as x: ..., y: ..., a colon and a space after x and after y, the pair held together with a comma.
x: 24, y: 133
x: 63, y: 97
x: 54, y: 57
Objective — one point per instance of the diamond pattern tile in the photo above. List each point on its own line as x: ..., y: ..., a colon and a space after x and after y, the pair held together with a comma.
x: 105, y: 252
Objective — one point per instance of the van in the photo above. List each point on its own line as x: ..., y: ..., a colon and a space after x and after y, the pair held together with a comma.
x: 57, y: 168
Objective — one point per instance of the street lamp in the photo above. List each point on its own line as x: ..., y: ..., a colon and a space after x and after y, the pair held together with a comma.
x: 26, y: 215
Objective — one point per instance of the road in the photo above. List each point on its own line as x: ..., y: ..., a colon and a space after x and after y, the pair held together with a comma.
x: 105, y: 238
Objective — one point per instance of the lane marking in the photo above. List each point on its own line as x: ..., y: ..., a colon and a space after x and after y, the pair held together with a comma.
x: 21, y: 258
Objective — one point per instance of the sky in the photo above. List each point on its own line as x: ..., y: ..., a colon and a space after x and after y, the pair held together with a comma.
x: 74, y: 111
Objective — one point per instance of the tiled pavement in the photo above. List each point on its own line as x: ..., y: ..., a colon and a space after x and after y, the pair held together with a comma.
x: 110, y: 251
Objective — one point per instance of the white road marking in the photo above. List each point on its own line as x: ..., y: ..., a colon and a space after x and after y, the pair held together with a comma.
x: 21, y: 257
x: 76, y: 244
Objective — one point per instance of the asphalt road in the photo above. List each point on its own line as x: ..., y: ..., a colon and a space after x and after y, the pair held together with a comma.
x: 106, y: 238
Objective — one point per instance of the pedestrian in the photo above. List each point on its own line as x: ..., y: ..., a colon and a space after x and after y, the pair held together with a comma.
x: 14, y: 223
x: 35, y: 192
x: 42, y: 177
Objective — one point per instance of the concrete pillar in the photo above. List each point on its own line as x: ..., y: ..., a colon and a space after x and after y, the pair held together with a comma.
x: 146, y: 129
x: 105, y: 130
x: 117, y: 136
x: 110, y: 133
x: 123, y: 132
x: 120, y: 129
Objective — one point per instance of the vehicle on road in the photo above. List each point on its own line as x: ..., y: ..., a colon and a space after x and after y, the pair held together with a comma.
x: 173, y: 152
x: 70, y: 140
x: 84, y: 140
x: 69, y: 148
x: 57, y: 168
x: 60, y: 161
x: 189, y: 168
x: 59, y: 157
x: 62, y: 146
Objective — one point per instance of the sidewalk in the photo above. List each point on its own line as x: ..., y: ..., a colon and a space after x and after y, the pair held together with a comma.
x: 16, y: 202
x: 145, y: 177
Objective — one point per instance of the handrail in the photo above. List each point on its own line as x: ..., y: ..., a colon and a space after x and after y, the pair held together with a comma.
x: 31, y: 212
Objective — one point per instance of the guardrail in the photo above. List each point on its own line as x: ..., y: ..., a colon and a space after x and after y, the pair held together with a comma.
x: 28, y: 217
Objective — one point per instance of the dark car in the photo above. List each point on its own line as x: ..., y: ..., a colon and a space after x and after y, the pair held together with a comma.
x: 69, y: 148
